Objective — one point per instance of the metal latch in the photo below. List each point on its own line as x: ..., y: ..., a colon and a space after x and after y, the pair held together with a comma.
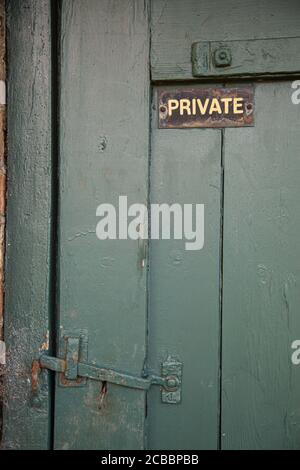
x: 74, y: 371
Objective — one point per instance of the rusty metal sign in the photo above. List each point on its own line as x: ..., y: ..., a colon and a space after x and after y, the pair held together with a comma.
x: 205, y: 107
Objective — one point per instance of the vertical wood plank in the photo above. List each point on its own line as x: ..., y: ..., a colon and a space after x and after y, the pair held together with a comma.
x: 28, y: 223
x: 2, y: 193
x: 104, y: 153
x: 261, y: 386
x: 184, y: 289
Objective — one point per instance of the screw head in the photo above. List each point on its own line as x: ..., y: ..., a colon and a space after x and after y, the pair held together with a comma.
x: 172, y: 383
x: 222, y: 57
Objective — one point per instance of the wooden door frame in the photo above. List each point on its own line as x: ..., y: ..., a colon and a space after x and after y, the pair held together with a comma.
x: 29, y: 241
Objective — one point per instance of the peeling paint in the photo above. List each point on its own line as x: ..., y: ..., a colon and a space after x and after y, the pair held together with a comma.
x: 45, y: 344
x: 81, y: 234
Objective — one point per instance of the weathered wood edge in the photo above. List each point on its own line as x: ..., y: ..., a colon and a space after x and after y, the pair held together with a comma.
x: 26, y: 417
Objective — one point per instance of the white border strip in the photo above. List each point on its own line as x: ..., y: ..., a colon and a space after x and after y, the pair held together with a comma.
x: 2, y: 92
x: 2, y: 353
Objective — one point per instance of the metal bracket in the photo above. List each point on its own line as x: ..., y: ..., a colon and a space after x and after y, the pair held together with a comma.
x: 207, y: 56
x: 73, y: 346
x: 74, y: 370
x: 252, y: 57
x: 171, y: 369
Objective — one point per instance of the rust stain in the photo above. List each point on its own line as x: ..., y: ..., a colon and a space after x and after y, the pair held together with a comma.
x: 70, y: 383
x: 35, y: 370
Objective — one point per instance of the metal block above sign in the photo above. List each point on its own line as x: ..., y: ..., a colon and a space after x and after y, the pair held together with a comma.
x: 192, y: 107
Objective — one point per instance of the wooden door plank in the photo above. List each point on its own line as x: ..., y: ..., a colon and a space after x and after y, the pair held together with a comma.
x: 184, y: 290
x: 26, y: 417
x: 176, y: 25
x: 261, y: 386
x: 104, y: 153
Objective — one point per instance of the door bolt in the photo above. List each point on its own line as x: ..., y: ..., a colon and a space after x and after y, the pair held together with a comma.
x: 172, y: 383
x: 222, y: 57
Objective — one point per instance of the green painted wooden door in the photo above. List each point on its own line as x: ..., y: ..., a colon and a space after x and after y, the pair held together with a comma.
x: 229, y: 312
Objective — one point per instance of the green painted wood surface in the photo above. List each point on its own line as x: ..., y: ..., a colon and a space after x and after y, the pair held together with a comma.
x: 261, y: 387
x: 104, y: 153
x: 28, y: 220
x: 184, y: 290
x: 177, y: 24
x: 254, y: 57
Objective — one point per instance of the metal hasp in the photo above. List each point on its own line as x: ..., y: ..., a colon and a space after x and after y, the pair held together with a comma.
x: 74, y: 371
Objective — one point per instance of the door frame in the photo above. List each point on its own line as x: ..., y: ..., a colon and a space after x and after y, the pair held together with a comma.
x: 30, y: 208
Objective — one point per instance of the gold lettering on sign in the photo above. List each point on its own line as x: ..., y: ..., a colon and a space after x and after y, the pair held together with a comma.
x: 172, y: 105
x: 215, y: 107
x: 192, y: 106
x: 202, y: 107
x: 226, y: 102
x: 185, y: 105
x: 198, y: 106
x: 238, y: 105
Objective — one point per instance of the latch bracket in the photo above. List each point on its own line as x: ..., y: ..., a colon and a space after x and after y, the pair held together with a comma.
x: 75, y: 370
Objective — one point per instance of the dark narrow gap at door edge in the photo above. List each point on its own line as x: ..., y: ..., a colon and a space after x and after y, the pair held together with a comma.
x: 54, y: 247
x: 221, y: 270
x: 150, y: 118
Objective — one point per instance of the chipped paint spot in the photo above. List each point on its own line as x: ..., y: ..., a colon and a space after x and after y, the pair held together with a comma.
x: 176, y: 258
x: 81, y: 234
x: 264, y: 274
x: 102, y: 144
x: 107, y: 262
x: 45, y: 345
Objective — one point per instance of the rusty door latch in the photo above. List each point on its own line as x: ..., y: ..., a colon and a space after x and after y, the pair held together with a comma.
x: 74, y: 371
